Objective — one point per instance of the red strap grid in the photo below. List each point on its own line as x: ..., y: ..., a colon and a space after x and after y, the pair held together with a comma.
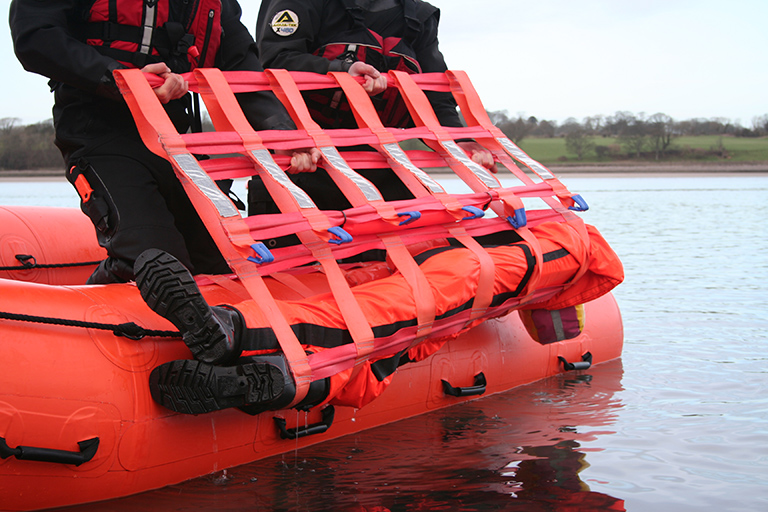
x: 371, y: 222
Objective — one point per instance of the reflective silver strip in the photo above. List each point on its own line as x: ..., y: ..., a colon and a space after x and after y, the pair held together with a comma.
x: 399, y: 156
x: 478, y: 170
x: 557, y: 324
x: 366, y: 187
x: 192, y: 169
x: 149, y: 27
x: 274, y: 170
x: 520, y: 155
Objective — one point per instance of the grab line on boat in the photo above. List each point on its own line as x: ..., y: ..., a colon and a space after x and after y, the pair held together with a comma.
x: 29, y: 262
x: 129, y: 330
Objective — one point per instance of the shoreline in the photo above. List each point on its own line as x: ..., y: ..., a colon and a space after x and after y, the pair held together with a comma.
x: 662, y: 169
x: 613, y: 169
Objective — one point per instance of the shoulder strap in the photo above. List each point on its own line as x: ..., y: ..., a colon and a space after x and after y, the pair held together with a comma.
x: 354, y: 11
x: 416, y: 14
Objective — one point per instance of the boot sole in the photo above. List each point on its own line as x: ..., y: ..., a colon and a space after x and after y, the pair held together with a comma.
x: 170, y: 291
x: 193, y: 387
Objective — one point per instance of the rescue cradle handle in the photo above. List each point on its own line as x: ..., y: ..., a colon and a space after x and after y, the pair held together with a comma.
x: 519, y: 220
x: 581, y: 204
x: 584, y: 364
x: 478, y: 388
x: 262, y: 254
x: 341, y: 235
x: 412, y: 216
x: 317, y: 428
x: 474, y: 211
x: 87, y: 451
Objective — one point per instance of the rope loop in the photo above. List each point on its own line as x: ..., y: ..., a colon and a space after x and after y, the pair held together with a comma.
x: 29, y: 262
x: 128, y: 330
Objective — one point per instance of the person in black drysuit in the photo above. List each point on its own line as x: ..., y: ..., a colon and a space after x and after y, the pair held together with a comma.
x: 341, y: 35
x: 137, y: 201
x: 142, y: 214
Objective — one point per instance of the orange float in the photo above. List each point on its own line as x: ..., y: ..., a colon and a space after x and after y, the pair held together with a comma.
x: 77, y: 423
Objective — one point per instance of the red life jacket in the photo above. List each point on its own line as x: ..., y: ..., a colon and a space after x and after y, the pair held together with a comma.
x: 184, y: 35
x: 385, y: 54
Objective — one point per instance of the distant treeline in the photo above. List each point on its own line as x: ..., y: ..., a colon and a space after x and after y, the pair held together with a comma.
x: 28, y: 147
x: 637, y: 135
x: 31, y: 146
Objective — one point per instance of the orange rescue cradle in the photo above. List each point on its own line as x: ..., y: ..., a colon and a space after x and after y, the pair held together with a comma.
x: 77, y: 423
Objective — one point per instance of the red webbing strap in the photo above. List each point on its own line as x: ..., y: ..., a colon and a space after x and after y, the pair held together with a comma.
x: 228, y: 284
x: 418, y: 181
x: 420, y: 184
x: 294, y: 283
x: 220, y: 216
x: 581, y: 229
x: 475, y: 176
x: 357, y: 324
x: 227, y: 228
x: 484, y: 293
x: 226, y: 115
x: 222, y: 104
x: 478, y: 178
x: 252, y: 81
x: 474, y: 113
x: 471, y: 106
x: 357, y: 189
x: 294, y: 353
x: 485, y: 282
x: 367, y: 117
x: 423, y: 296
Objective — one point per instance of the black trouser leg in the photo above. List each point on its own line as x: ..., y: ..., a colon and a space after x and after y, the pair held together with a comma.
x: 148, y: 208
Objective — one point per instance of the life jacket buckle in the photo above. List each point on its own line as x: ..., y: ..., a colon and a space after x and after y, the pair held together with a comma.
x: 106, y: 35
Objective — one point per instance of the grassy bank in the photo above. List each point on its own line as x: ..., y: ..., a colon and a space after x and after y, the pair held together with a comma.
x: 687, y: 154
x: 704, y: 148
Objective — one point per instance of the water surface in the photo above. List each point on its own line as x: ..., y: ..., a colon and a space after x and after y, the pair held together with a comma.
x: 679, y: 423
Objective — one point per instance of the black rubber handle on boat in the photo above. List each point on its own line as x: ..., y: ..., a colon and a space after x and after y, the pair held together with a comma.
x: 584, y: 364
x: 477, y: 389
x: 317, y: 428
x: 87, y: 451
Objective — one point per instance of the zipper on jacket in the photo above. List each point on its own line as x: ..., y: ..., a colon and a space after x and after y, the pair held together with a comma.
x: 208, y: 30
x: 190, y: 14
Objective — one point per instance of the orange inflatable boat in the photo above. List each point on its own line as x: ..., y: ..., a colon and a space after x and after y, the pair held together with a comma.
x: 477, y: 293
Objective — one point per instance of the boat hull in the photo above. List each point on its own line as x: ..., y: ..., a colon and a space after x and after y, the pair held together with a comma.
x: 62, y: 384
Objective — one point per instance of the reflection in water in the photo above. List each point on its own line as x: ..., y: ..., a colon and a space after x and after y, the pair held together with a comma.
x: 518, y: 450
x: 690, y: 425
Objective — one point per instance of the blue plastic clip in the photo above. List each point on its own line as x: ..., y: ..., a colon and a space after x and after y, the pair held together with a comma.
x: 342, y: 236
x: 412, y: 216
x: 262, y: 254
x: 519, y: 220
x: 581, y: 204
x: 475, y: 212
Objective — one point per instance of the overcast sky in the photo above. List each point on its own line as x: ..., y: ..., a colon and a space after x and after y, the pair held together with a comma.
x: 556, y: 59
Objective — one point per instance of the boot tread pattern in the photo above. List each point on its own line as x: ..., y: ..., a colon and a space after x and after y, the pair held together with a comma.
x: 194, y: 387
x: 170, y: 291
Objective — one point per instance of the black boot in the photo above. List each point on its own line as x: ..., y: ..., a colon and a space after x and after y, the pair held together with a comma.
x: 318, y: 390
x: 194, y: 387
x: 170, y: 290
